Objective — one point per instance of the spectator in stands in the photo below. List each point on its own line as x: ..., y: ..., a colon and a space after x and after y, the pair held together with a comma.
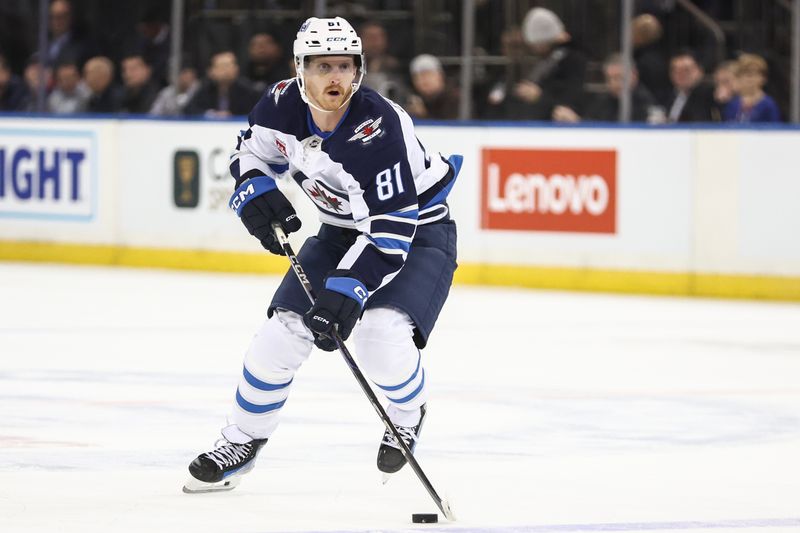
x: 17, y: 26
x: 605, y: 107
x: 490, y: 104
x: 724, y: 83
x: 98, y: 73
x: 384, y: 71
x: 434, y: 98
x: 32, y: 81
x: 70, y: 94
x: 224, y: 93
x: 693, y: 98
x: 139, y: 89
x: 14, y: 94
x: 751, y: 104
x: 649, y: 57
x: 154, y: 44
x: 172, y: 99
x: 65, y: 45
x: 266, y: 63
x: 556, y: 79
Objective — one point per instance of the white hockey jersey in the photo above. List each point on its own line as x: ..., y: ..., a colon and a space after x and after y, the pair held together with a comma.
x: 370, y: 173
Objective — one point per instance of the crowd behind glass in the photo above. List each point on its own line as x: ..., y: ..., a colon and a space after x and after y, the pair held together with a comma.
x: 668, y: 86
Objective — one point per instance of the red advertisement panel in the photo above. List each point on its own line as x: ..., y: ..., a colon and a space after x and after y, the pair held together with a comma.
x: 549, y: 190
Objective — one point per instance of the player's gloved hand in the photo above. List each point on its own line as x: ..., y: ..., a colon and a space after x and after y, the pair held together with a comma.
x: 259, y: 203
x: 338, y: 305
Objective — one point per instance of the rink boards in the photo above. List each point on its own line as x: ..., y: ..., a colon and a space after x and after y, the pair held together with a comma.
x: 708, y: 212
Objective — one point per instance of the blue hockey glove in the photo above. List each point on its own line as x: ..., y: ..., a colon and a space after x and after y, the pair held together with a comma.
x: 338, y: 305
x: 259, y: 203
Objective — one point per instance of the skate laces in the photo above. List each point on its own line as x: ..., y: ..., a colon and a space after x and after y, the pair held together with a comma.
x: 407, y: 433
x: 228, y: 454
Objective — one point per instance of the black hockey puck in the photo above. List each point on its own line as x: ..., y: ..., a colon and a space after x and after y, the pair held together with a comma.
x: 424, y: 518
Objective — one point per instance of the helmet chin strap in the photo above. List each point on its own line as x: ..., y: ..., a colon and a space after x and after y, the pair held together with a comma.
x: 354, y: 87
x: 309, y: 98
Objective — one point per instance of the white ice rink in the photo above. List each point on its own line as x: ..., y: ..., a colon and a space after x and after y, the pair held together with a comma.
x: 550, y: 411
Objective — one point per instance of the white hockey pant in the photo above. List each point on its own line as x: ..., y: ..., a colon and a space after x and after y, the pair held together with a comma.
x: 383, y: 345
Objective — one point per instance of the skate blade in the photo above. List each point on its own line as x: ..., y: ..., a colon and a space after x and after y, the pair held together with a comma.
x: 385, y: 477
x: 195, y: 486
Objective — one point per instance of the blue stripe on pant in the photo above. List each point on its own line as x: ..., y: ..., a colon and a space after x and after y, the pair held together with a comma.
x: 413, y: 395
x: 263, y: 385
x: 255, y: 408
x: 406, y: 382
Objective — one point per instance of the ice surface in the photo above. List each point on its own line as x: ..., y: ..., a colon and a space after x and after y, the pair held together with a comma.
x: 550, y: 411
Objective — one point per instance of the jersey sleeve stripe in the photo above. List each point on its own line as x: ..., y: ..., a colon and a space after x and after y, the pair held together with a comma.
x: 395, y: 236
x: 394, y: 228
x: 278, y: 168
x: 386, y: 244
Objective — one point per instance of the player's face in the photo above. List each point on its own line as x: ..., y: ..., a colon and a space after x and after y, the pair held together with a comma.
x: 329, y: 80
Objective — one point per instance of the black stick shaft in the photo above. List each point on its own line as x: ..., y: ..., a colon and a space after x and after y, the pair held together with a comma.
x: 362, y: 381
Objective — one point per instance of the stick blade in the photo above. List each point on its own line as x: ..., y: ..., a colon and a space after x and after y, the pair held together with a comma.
x: 448, y: 511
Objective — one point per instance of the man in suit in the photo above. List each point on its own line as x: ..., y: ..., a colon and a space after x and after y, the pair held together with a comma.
x: 224, y: 93
x: 693, y: 98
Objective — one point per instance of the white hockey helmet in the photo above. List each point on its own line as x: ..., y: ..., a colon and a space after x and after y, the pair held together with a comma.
x: 327, y: 37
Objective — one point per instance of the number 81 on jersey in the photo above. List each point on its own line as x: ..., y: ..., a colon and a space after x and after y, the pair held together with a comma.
x: 386, y: 180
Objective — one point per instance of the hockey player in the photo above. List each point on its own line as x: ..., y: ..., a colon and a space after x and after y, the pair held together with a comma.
x: 385, y: 253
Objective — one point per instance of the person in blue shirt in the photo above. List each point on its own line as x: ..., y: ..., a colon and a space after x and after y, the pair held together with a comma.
x: 751, y: 104
x: 381, y: 264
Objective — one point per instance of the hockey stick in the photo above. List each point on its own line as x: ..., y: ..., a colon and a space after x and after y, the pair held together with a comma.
x: 443, y: 505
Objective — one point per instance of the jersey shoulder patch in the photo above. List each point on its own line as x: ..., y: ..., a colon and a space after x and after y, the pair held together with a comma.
x: 280, y: 88
x: 278, y: 108
x: 372, y: 119
x: 368, y: 130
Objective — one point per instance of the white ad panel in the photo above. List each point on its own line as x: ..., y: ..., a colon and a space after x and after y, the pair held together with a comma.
x: 604, y: 198
x: 631, y: 199
x: 175, y: 185
x: 769, y: 188
x: 48, y: 173
x: 56, y: 180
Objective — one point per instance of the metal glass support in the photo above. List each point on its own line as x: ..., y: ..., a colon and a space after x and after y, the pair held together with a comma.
x: 626, y: 47
x: 320, y: 8
x: 176, y: 41
x: 467, y: 45
x: 43, y: 18
x: 795, y: 68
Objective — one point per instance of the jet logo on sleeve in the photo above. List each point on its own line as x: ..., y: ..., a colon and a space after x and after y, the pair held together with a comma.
x: 367, y: 131
x: 279, y: 88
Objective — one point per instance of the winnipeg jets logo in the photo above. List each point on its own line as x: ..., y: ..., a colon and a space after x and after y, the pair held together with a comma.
x: 367, y: 130
x: 329, y: 201
x: 279, y: 88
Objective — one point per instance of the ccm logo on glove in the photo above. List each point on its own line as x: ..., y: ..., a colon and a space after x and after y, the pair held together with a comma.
x: 241, y: 195
x: 338, y: 305
x: 259, y: 204
x: 361, y: 292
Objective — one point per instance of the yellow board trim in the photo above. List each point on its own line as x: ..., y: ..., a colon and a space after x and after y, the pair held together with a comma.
x: 639, y: 282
